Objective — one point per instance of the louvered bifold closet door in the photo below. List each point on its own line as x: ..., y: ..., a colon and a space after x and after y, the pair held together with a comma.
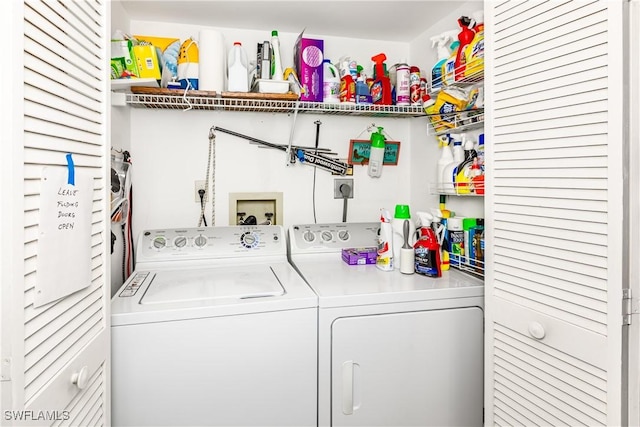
x: 554, y: 210
x: 65, y: 111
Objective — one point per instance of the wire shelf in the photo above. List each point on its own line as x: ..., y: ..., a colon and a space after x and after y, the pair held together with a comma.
x: 468, y: 189
x: 456, y: 122
x: 469, y: 265
x: 179, y: 102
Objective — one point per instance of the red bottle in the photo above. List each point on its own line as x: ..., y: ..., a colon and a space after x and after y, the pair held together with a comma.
x: 381, y: 87
x: 465, y: 36
x: 427, y: 253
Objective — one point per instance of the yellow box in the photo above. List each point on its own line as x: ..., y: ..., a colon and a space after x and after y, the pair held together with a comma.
x: 147, y: 61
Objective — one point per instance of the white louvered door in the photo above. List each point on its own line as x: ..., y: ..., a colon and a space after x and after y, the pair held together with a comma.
x: 56, y: 369
x: 555, y: 212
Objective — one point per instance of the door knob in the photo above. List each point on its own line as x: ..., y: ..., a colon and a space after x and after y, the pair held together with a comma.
x: 81, y: 379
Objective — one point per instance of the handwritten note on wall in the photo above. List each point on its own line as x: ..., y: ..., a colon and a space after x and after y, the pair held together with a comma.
x: 64, y: 241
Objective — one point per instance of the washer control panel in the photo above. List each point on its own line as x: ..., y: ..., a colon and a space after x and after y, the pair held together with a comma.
x: 306, y: 238
x: 211, y: 242
x: 133, y: 284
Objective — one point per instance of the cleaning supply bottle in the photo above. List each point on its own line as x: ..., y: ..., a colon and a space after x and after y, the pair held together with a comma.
x: 465, y: 37
x: 415, y: 96
x: 276, y: 59
x: 449, y: 172
x: 376, y: 154
x: 474, y: 53
x: 238, y: 69
x: 449, y: 66
x: 363, y: 96
x: 477, y: 178
x: 397, y: 225
x: 347, y: 89
x: 463, y: 170
x: 403, y: 84
x: 384, y: 259
x: 456, y: 240
x: 381, y: 87
x: 446, y: 157
x: 330, y: 82
x: 443, y: 237
x: 442, y: 42
x: 427, y: 253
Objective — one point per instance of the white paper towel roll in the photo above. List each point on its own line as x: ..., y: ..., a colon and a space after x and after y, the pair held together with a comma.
x: 212, y: 54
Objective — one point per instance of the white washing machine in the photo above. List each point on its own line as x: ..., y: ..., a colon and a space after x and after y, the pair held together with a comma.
x: 214, y: 328
x: 394, y: 349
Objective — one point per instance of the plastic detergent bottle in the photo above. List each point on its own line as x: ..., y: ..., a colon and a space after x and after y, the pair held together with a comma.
x: 474, y: 52
x: 441, y: 42
x: 403, y: 84
x: 449, y: 172
x: 384, y: 259
x: 446, y: 158
x: 238, y: 66
x: 276, y: 59
x: 397, y: 225
x: 463, y: 170
x: 449, y: 66
x: 465, y: 37
x: 381, y: 87
x: 363, y: 96
x: 376, y: 154
x: 330, y: 82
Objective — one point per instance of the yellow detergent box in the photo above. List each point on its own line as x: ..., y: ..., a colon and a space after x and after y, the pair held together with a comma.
x: 147, y: 61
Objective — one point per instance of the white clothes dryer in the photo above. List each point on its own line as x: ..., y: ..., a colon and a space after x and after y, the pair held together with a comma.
x: 394, y: 349
x: 214, y: 328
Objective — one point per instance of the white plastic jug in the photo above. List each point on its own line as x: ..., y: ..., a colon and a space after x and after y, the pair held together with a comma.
x: 330, y: 83
x: 238, y: 69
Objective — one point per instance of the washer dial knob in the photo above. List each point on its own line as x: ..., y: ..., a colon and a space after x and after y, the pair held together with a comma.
x: 180, y: 241
x: 327, y: 236
x: 159, y: 242
x: 249, y: 240
x: 343, y: 235
x: 308, y: 236
x: 200, y: 241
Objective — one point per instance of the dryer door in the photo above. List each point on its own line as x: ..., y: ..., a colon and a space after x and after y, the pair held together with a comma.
x: 418, y: 368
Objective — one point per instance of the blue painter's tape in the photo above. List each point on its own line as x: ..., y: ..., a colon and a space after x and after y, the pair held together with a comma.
x: 71, y: 177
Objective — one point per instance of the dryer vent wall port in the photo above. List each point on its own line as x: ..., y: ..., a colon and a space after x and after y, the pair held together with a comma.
x: 339, y: 191
x: 255, y: 209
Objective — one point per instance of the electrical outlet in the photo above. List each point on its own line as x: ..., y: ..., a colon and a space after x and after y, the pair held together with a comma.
x: 200, y: 186
x: 336, y: 187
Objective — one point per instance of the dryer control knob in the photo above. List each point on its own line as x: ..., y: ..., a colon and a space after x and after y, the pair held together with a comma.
x: 200, y: 241
x: 309, y: 236
x: 159, y: 242
x: 343, y: 235
x: 327, y: 236
x: 180, y: 241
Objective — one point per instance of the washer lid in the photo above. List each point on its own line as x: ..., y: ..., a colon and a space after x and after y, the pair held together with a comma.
x: 241, y: 282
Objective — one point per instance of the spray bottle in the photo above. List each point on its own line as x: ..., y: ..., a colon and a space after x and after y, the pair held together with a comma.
x: 381, y: 87
x: 376, y: 154
x: 427, y: 249
x: 465, y: 37
x: 384, y: 259
x: 442, y: 43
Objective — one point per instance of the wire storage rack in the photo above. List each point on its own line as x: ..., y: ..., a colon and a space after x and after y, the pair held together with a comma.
x: 468, y: 80
x: 218, y: 103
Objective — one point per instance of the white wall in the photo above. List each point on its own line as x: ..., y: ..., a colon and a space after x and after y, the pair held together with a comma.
x: 169, y: 149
